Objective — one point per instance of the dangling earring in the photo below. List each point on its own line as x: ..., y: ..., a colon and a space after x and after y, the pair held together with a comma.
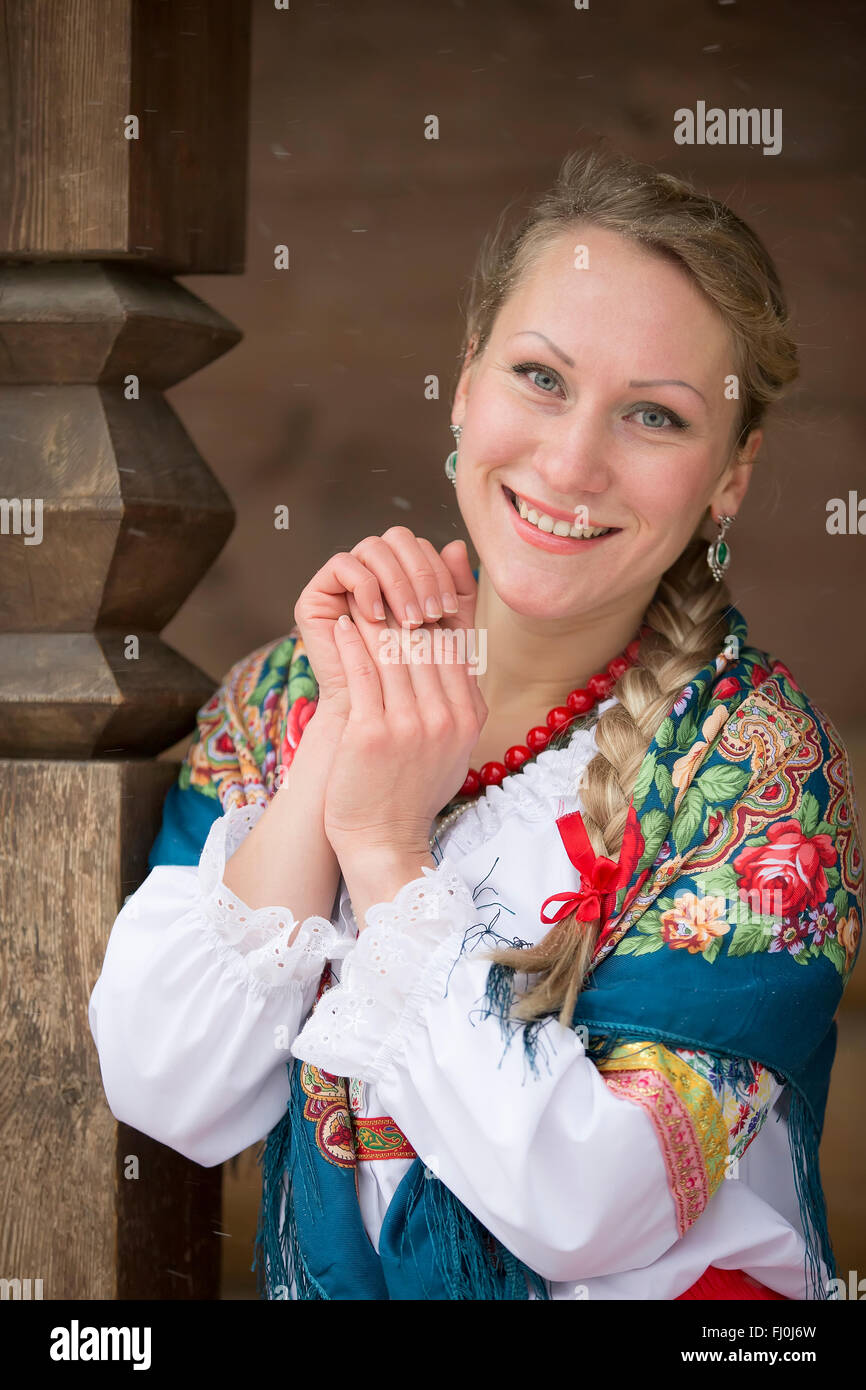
x: 451, y: 461
x: 719, y: 553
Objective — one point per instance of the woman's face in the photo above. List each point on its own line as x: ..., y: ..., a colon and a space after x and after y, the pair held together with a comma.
x: 601, y: 397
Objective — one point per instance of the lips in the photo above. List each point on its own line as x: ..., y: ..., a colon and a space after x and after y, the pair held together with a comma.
x: 555, y: 513
x: 547, y: 540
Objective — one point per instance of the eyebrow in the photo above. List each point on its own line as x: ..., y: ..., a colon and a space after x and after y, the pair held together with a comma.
x: 559, y: 352
x: 670, y: 381
x: 564, y: 357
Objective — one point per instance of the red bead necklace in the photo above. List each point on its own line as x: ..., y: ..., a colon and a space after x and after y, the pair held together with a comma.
x: 580, y: 701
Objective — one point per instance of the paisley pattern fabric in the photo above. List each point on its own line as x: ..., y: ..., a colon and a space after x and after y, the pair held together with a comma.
x: 250, y: 727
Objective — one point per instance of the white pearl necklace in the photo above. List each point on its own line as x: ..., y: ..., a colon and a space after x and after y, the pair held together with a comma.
x: 450, y: 818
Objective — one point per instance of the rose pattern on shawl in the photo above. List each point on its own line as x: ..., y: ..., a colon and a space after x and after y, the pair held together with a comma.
x: 785, y: 891
x: 717, y: 913
x: 696, y: 922
x: 298, y: 718
x: 791, y: 864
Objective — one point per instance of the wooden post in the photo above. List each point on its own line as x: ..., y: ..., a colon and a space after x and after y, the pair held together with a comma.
x: 123, y: 138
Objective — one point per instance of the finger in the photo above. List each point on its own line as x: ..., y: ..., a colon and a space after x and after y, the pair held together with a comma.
x: 459, y: 674
x: 407, y: 577
x: 456, y: 557
x: 439, y: 673
x: 443, y: 579
x: 344, y: 573
x: 425, y: 570
x: 397, y: 588
x: 362, y: 679
x: 383, y: 643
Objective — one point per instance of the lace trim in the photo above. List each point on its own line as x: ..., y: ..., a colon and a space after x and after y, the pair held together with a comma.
x: 555, y: 774
x: 258, y: 937
x: 399, y: 963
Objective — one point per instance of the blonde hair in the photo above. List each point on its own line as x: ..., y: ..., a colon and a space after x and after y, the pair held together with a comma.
x: 730, y: 264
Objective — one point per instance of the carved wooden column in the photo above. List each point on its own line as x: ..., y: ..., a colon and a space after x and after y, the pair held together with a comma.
x: 108, y: 518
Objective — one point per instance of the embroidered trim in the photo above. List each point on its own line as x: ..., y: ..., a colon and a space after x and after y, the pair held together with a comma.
x: 342, y: 1136
x: 380, y: 1137
x: 326, y: 1107
x: 687, y: 1119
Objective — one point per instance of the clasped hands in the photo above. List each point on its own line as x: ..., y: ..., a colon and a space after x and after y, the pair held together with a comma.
x: 403, y: 753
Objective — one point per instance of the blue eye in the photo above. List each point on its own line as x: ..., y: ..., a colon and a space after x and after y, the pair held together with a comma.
x: 662, y: 415
x: 528, y: 369
x: 660, y: 419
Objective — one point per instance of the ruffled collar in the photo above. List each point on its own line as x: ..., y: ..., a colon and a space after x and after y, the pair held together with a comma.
x: 539, y: 791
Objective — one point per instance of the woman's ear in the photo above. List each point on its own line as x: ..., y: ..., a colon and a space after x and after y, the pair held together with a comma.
x: 728, y: 497
x: 459, y: 404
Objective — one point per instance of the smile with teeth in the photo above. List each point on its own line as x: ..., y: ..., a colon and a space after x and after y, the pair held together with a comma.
x: 553, y: 525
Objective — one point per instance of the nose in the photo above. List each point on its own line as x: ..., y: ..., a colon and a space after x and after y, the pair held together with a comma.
x: 572, y: 457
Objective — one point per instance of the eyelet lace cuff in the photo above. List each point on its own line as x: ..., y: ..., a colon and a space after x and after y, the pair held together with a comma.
x: 257, y: 939
x: 399, y: 963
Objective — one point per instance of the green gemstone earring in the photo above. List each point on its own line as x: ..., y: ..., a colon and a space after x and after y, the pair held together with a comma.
x: 451, y: 461
x: 719, y: 553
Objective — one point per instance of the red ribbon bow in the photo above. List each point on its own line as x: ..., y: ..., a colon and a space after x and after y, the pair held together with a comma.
x: 600, y: 877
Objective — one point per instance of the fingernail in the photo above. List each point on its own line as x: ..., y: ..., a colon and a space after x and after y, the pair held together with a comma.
x: 378, y: 609
x: 432, y: 608
x: 449, y: 603
x: 344, y: 621
x: 413, y: 613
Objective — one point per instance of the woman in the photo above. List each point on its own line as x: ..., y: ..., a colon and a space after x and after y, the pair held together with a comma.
x: 656, y: 892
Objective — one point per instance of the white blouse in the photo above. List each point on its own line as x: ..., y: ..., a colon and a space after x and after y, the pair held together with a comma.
x: 200, y: 1003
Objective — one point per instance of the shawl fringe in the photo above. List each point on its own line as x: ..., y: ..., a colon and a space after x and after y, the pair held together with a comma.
x: 279, y: 1259
x: 471, y: 1262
